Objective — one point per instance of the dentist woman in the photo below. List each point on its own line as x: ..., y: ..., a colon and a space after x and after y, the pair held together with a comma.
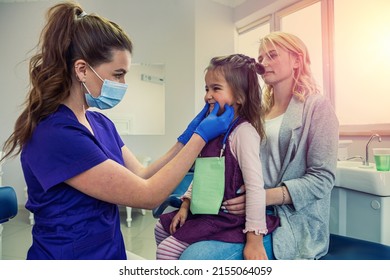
x: 299, y: 157
x: 76, y: 166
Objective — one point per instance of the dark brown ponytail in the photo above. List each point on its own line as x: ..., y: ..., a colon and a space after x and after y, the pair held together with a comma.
x: 69, y: 34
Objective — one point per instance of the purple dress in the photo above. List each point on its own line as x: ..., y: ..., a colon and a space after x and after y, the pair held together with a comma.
x: 224, y: 226
x: 70, y: 224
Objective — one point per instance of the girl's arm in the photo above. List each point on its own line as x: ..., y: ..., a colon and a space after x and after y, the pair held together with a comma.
x: 245, y: 145
x: 254, y: 248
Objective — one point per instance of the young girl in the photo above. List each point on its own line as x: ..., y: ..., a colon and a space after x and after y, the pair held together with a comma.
x: 229, y: 80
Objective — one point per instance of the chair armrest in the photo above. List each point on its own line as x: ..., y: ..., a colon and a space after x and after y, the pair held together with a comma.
x: 173, y: 201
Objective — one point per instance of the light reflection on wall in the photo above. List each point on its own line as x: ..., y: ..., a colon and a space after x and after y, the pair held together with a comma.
x: 362, y: 61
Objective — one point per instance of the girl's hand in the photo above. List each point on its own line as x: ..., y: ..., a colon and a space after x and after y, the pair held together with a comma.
x: 179, y: 220
x: 254, y: 248
x: 235, y: 206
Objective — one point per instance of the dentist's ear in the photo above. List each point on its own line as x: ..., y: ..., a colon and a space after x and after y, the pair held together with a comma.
x: 80, y: 67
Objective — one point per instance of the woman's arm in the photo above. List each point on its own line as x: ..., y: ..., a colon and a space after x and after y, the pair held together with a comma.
x: 112, y: 182
x: 132, y: 163
x: 312, y: 176
x: 321, y: 158
x: 274, y: 196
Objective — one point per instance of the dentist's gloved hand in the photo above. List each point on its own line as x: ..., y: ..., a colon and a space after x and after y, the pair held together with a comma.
x: 187, y: 134
x: 214, y: 125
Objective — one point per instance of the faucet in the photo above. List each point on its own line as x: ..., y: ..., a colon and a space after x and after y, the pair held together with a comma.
x: 355, y: 157
x: 369, y: 141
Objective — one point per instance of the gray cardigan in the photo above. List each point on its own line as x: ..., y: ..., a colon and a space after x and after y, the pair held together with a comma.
x: 308, y: 143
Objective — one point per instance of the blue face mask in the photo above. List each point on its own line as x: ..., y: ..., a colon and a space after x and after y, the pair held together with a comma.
x: 110, y: 95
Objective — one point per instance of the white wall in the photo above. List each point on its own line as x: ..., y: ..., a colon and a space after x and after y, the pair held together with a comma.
x: 172, y: 32
x: 214, y: 36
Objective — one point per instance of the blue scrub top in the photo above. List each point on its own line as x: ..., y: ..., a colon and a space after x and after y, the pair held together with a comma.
x: 70, y: 224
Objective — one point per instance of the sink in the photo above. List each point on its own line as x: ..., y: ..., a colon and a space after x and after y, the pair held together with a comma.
x: 356, y: 176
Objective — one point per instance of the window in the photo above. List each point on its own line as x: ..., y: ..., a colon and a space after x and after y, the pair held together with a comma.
x: 248, y: 40
x: 349, y: 43
x: 249, y: 37
x: 142, y: 109
x: 306, y: 24
x: 362, y: 64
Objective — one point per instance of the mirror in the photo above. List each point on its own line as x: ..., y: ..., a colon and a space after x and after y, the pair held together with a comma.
x: 142, y: 110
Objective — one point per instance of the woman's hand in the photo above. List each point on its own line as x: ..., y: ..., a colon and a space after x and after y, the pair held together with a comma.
x: 235, y: 205
x: 187, y: 134
x: 213, y: 125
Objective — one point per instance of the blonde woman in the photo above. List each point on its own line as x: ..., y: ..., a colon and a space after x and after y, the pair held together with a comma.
x: 298, y: 155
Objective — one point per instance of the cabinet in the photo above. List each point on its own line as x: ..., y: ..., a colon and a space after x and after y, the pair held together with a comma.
x: 360, y: 215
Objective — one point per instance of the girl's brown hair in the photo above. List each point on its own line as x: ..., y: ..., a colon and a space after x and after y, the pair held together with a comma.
x: 240, y: 72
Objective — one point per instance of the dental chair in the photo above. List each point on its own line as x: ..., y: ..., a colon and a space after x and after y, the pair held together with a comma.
x: 174, y: 200
x: 340, y: 247
x: 348, y: 248
x: 8, y: 208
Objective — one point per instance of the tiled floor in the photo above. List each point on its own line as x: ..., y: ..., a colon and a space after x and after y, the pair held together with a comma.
x: 139, y: 239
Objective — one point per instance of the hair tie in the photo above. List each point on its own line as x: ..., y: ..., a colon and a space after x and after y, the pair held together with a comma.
x: 83, y: 14
x: 259, y: 68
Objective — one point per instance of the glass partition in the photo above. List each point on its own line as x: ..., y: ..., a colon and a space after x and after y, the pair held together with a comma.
x: 142, y: 110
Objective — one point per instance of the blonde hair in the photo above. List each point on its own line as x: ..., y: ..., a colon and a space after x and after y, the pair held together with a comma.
x: 304, y: 82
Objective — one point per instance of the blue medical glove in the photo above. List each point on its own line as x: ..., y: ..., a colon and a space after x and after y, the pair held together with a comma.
x: 214, y: 125
x: 187, y: 134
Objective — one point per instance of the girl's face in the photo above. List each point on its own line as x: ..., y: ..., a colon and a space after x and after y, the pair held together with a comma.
x: 218, y: 90
x: 279, y: 64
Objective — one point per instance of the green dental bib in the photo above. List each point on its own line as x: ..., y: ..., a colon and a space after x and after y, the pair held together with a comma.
x: 209, y: 182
